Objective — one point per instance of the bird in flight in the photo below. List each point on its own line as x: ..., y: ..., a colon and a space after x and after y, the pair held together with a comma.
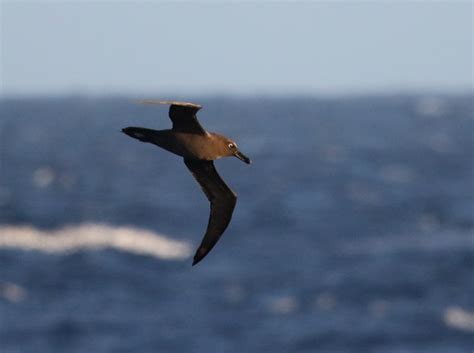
x: 199, y: 148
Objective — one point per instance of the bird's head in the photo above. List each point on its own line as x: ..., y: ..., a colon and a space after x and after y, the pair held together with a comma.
x: 230, y: 149
x: 234, y: 150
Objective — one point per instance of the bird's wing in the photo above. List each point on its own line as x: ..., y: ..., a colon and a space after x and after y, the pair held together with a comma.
x: 182, y: 114
x: 222, y: 200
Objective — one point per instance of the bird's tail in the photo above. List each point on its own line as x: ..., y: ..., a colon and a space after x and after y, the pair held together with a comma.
x: 140, y: 133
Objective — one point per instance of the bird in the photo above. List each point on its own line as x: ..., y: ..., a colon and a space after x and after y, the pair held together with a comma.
x: 199, y: 148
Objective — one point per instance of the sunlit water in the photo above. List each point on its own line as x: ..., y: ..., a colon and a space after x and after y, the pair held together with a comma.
x: 353, y: 230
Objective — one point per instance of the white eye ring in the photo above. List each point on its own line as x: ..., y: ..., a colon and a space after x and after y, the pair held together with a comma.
x: 231, y: 145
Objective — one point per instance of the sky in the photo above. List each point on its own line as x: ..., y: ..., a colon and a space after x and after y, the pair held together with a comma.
x: 234, y: 48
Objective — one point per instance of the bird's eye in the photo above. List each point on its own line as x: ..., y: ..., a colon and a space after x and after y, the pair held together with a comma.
x: 231, y: 145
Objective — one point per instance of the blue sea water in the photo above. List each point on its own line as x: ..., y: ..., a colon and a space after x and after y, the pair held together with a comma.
x: 353, y: 230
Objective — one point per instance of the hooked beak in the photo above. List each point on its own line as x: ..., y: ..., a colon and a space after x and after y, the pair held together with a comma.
x: 242, y: 157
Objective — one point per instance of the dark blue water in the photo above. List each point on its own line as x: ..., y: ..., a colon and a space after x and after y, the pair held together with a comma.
x: 353, y: 231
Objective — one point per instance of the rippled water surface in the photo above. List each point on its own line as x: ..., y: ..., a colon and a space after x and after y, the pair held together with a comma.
x: 353, y: 231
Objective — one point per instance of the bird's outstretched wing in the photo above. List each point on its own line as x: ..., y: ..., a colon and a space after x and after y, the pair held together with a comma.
x: 222, y: 200
x: 182, y: 114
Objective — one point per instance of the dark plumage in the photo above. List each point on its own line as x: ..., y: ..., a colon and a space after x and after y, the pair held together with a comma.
x: 199, y: 149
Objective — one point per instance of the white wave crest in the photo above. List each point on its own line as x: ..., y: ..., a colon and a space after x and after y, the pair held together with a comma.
x: 90, y: 236
x: 459, y: 318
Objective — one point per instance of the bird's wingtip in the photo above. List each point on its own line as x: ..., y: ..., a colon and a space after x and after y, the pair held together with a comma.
x: 200, y: 254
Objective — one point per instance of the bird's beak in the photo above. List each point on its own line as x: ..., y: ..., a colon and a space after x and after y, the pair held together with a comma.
x: 242, y: 157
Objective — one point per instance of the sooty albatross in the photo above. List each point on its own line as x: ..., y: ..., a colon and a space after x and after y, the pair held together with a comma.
x: 199, y: 149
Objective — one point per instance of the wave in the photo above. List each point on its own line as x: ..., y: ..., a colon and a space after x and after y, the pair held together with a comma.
x: 91, y: 236
x: 435, y: 241
x: 12, y: 292
x: 459, y: 318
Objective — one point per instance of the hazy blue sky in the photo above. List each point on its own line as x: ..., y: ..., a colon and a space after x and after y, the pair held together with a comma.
x: 203, y: 48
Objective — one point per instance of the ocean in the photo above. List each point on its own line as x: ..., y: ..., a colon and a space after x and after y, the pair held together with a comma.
x: 353, y: 230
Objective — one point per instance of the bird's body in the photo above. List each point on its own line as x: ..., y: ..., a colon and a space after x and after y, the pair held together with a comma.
x: 206, y: 147
x: 199, y: 149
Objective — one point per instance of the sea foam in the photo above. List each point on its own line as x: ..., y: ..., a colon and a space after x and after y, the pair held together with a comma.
x: 91, y: 236
x: 459, y: 318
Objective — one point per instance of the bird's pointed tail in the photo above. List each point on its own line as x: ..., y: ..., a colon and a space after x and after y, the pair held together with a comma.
x: 139, y: 133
